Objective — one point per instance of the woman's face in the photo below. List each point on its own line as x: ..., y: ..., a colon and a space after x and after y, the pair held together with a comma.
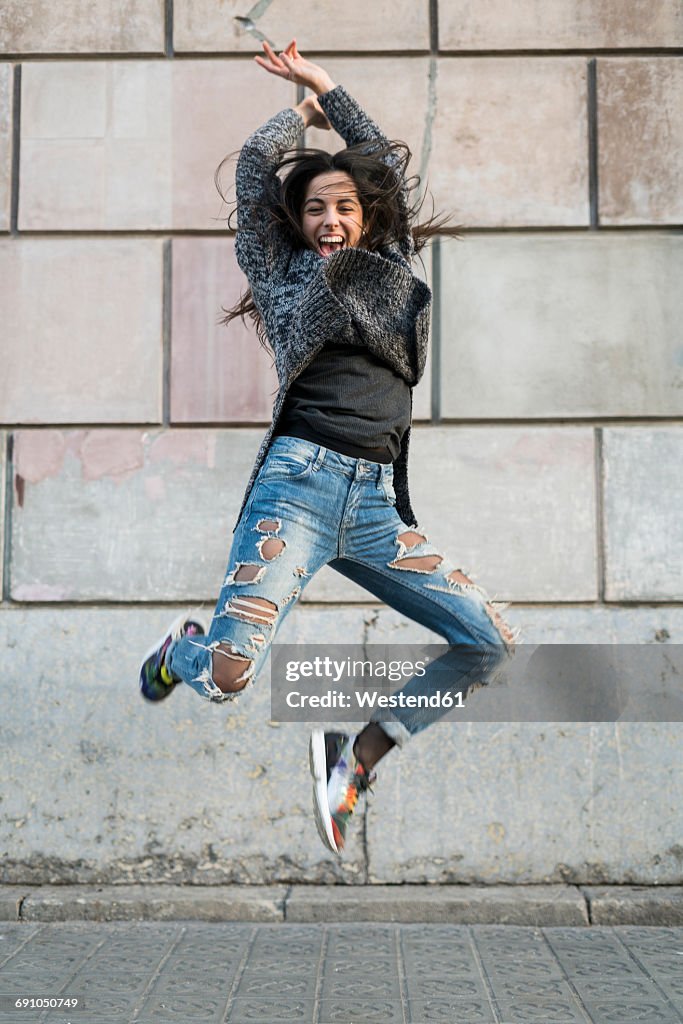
x: 332, y: 215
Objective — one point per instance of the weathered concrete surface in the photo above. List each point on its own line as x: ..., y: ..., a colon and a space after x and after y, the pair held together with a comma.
x: 137, y: 496
x: 3, y: 492
x: 509, y: 141
x: 154, y: 508
x: 124, y: 145
x: 191, y: 792
x: 100, y: 26
x: 547, y: 325
x: 516, y: 505
x: 90, y: 349
x: 499, y: 904
x: 635, y: 904
x: 537, y: 905
x: 234, y: 26
x: 6, y: 74
x: 218, y: 373
x: 496, y: 25
x: 154, y: 903
x: 518, y: 803
x: 640, y: 166
x: 643, y: 495
x: 169, y: 793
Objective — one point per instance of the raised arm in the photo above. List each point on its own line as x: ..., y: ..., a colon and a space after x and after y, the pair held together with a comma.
x: 351, y: 122
x: 257, y: 248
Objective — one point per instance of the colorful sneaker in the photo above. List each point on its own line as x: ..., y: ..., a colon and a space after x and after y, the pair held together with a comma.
x: 339, y: 779
x: 156, y: 680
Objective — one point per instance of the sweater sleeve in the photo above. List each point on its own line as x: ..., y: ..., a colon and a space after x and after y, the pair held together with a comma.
x: 351, y: 122
x: 258, y: 245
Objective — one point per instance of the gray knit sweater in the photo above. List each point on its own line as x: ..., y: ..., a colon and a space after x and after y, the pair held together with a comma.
x: 306, y: 299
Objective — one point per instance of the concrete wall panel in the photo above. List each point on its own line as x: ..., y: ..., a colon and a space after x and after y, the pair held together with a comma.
x: 100, y: 26
x: 539, y: 25
x: 148, y: 513
x: 514, y: 505
x: 520, y: 802
x: 643, y: 468
x: 524, y: 806
x: 113, y: 146
x: 640, y: 148
x: 509, y: 141
x: 217, y: 372
x: 542, y: 325
x: 6, y: 75
x: 202, y: 25
x: 3, y: 509
x: 82, y: 326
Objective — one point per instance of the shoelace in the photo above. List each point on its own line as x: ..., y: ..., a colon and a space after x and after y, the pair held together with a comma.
x: 361, y: 782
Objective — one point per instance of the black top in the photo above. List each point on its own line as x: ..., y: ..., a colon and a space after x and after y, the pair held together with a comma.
x: 350, y: 401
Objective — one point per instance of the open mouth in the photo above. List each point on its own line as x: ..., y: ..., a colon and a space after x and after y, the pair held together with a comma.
x: 327, y: 244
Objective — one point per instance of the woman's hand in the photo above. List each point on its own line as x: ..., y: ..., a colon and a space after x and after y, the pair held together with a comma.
x: 292, y: 66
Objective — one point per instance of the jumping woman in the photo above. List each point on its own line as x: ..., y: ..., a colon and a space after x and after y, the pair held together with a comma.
x: 327, y: 248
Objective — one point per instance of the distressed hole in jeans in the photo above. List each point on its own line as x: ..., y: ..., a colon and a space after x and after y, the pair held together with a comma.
x: 411, y: 539
x: 245, y: 572
x: 258, y: 610
x: 460, y: 580
x: 268, y: 525
x: 270, y: 548
x: 417, y: 563
x: 233, y: 671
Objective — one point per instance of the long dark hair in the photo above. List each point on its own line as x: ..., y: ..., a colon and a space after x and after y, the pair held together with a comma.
x: 379, y: 172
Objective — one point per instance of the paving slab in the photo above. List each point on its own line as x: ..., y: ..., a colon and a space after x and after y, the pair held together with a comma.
x: 455, y: 904
x: 635, y: 904
x: 138, y: 973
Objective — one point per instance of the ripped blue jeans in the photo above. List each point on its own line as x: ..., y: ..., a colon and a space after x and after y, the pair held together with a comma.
x: 309, y: 507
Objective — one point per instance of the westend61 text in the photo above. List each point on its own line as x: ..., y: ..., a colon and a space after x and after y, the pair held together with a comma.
x: 372, y: 699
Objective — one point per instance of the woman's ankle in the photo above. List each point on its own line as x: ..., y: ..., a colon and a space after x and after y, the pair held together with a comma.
x: 371, y: 745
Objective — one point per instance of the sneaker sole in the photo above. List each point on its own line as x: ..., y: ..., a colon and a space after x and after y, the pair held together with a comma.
x: 317, y: 760
x: 176, y: 624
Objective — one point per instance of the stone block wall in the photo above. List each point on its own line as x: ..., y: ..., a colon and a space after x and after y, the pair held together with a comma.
x: 547, y: 451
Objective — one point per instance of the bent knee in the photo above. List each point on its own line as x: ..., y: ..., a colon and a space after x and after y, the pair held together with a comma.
x: 232, y: 672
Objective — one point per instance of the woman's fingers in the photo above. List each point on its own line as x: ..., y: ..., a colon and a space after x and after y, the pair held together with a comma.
x: 270, y: 52
x: 269, y: 67
x: 273, y: 64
